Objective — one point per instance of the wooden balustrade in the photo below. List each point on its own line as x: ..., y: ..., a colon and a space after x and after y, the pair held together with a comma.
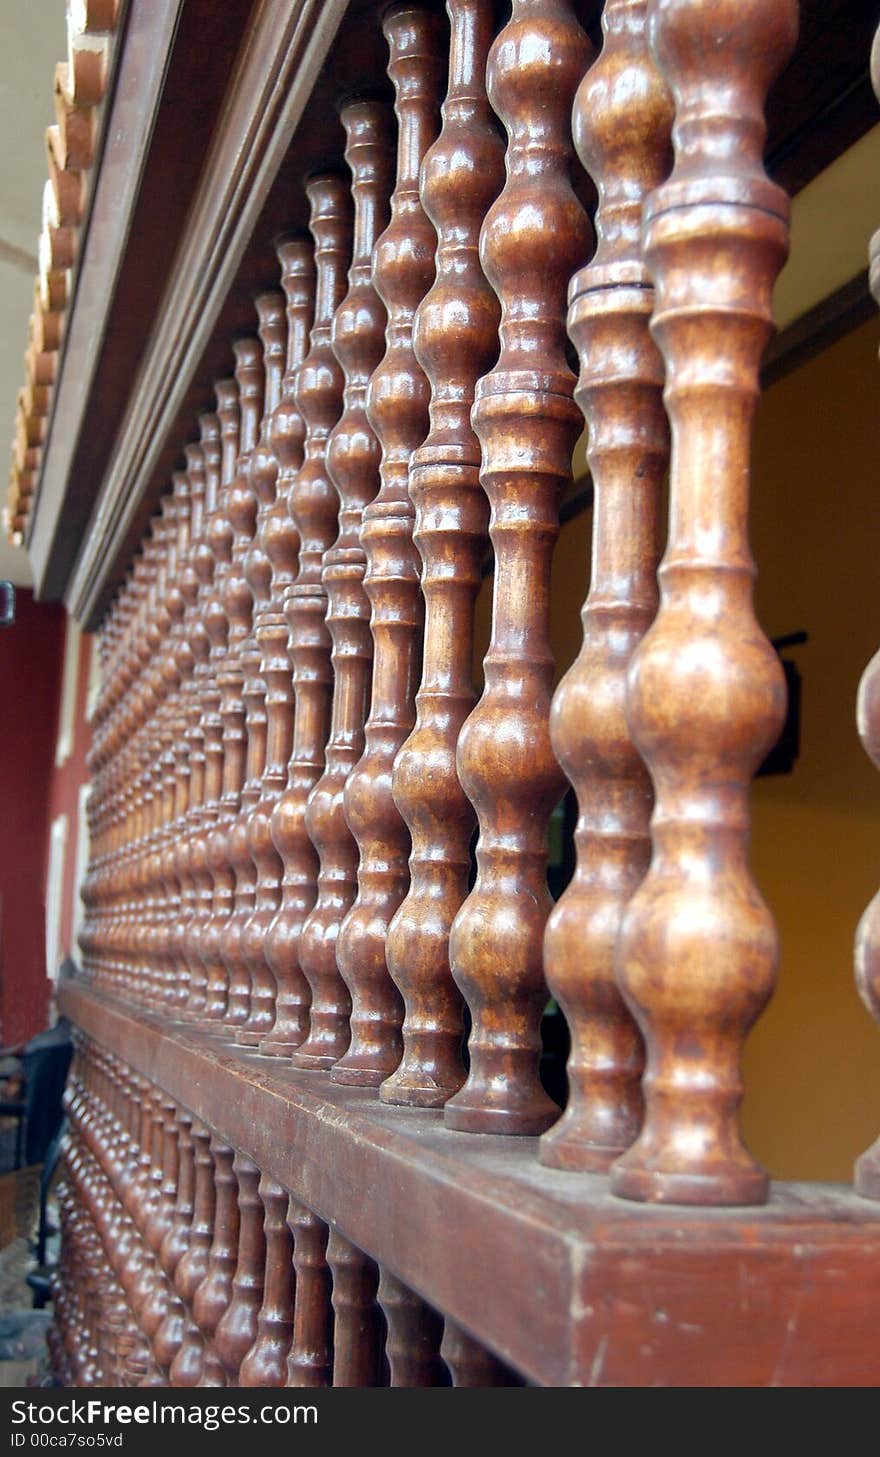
x: 317, y: 856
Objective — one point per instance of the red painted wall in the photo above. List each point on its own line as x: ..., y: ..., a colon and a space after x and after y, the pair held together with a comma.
x: 64, y: 798
x: 30, y: 679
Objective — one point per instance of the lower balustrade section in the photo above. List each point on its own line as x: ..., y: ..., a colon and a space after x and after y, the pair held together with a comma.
x: 230, y: 1220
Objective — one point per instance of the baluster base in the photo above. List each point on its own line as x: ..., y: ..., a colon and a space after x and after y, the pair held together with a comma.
x: 726, y: 1189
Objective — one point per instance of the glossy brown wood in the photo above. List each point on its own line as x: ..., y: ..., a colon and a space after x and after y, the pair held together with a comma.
x: 706, y: 696
x: 204, y: 786
x: 527, y: 423
x: 353, y: 463
x: 605, y: 1266
x: 455, y: 340
x: 244, y: 703
x: 357, y: 1320
x: 267, y: 686
x: 310, y: 1359
x: 867, y: 951
x: 469, y: 1363
x: 266, y: 1362
x: 215, y: 1292
x: 296, y: 256
x: 414, y: 1332
x: 397, y: 405
x: 314, y: 506
x: 622, y: 123
x: 193, y: 1266
x: 223, y: 727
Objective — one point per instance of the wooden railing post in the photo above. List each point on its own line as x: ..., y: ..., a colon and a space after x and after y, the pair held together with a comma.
x: 622, y: 122
x: 461, y: 176
x: 706, y: 695
x: 527, y: 424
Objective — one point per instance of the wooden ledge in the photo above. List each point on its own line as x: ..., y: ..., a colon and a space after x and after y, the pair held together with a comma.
x: 569, y: 1285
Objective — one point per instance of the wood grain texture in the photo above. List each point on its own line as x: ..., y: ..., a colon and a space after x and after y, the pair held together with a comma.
x: 455, y: 341
x: 622, y: 122
x: 486, y: 1212
x: 314, y: 507
x: 527, y: 424
x: 310, y: 1358
x: 358, y: 339
x: 288, y: 437
x: 244, y: 703
x: 397, y: 406
x: 267, y: 688
x: 706, y: 694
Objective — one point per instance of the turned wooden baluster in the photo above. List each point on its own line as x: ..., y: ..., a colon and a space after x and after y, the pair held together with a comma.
x: 469, y: 1363
x: 223, y: 730
x: 285, y: 434
x: 310, y: 1359
x: 181, y: 598
x: 867, y: 1170
x: 204, y: 784
x: 313, y: 508
x: 527, y: 423
x: 412, y: 1344
x: 239, y: 688
x: 166, y: 1341
x: 267, y: 686
x: 288, y: 438
x: 266, y: 1362
x: 193, y: 1266
x: 706, y: 696
x: 215, y: 1292
x: 193, y: 1269
x: 622, y: 124
x: 462, y: 175
x: 403, y: 270
x: 357, y: 1324
x: 238, y: 1327
x: 189, y: 750
x: 358, y: 341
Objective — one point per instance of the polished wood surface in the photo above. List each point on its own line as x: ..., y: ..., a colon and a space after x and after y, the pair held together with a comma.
x: 622, y: 122
x: 319, y: 861
x: 397, y: 408
x: 527, y: 424
x: 461, y: 177
x: 357, y: 340
x: 706, y: 694
x: 314, y: 507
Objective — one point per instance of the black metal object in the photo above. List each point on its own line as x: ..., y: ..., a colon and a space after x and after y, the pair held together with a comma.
x: 7, y: 609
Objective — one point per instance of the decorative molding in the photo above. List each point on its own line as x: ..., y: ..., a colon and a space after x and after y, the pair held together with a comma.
x: 280, y: 60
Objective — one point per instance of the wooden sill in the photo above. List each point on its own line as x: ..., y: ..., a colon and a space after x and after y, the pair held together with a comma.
x: 570, y: 1285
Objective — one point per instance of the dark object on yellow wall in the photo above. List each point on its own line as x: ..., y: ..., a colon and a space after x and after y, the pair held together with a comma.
x: 7, y: 609
x: 784, y: 754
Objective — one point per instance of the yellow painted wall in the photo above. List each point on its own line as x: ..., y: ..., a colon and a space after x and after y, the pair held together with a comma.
x: 812, y: 1064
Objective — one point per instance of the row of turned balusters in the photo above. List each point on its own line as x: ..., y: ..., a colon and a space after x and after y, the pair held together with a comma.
x: 289, y: 764
x: 186, y: 1266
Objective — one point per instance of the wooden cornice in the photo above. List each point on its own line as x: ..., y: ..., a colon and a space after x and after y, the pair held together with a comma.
x: 280, y: 56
